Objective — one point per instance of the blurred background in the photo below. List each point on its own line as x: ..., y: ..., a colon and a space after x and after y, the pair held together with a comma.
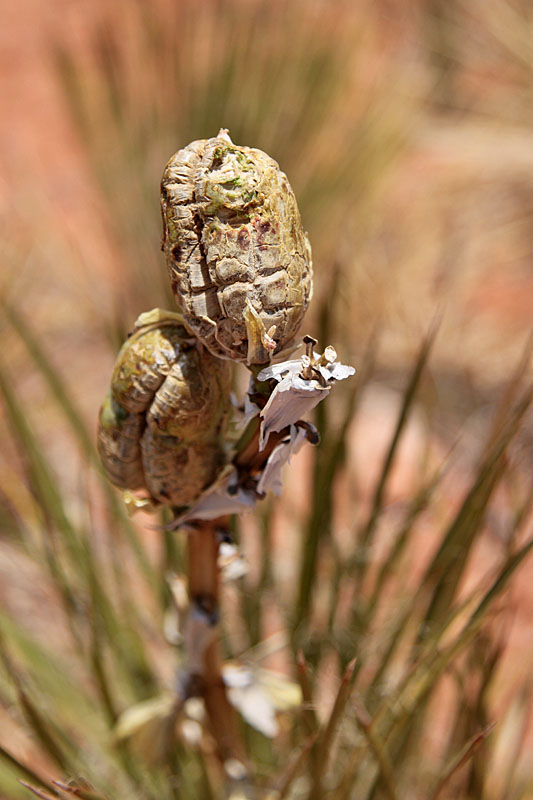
x: 404, y: 127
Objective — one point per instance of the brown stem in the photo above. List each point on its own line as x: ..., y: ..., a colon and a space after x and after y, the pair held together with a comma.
x: 202, y: 637
x: 250, y: 461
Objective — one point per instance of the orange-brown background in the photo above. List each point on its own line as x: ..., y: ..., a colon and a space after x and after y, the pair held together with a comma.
x: 431, y: 215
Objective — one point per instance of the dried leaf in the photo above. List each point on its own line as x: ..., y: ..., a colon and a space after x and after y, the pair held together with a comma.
x: 258, y: 693
x: 148, y: 727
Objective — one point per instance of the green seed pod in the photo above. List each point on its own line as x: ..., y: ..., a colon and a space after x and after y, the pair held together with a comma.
x: 160, y: 426
x: 238, y: 257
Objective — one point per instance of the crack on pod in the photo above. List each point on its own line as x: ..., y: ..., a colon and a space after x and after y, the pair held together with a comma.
x: 204, y: 268
x: 218, y: 160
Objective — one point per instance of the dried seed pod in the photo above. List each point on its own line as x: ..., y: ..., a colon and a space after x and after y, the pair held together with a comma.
x: 239, y: 259
x: 190, y: 397
x: 160, y: 426
x: 145, y: 360
x: 119, y: 435
x: 175, y: 472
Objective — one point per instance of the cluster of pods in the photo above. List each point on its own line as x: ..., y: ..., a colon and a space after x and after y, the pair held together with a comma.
x: 240, y: 267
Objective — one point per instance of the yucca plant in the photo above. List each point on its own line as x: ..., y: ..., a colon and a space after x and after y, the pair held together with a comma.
x: 366, y: 644
x: 407, y: 636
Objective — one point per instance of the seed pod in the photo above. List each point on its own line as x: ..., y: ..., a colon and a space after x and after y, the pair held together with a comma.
x: 177, y: 473
x: 238, y: 257
x: 143, y: 364
x: 160, y: 426
x: 119, y: 435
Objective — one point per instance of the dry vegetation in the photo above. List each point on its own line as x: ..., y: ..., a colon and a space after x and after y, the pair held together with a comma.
x: 405, y: 131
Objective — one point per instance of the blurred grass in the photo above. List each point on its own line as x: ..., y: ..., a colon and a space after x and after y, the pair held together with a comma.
x: 111, y: 669
x: 269, y: 74
x: 319, y: 88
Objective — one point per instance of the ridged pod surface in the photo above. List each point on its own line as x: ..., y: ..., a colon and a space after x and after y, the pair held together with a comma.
x: 161, y: 423
x: 234, y: 245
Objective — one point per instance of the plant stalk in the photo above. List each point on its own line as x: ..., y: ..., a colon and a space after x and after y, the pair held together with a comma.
x: 202, y: 640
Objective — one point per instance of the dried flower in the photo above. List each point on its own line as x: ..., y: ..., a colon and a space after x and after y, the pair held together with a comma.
x: 301, y: 384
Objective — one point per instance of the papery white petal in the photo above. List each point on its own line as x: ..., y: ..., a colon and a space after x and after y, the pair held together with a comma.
x: 257, y: 693
x: 287, y: 404
x: 239, y: 417
x: 231, y: 563
x: 256, y: 708
x: 247, y: 696
x: 324, y: 371
x: 191, y: 731
x: 296, y: 395
x: 330, y: 354
x: 218, y: 500
x: 237, y: 675
x: 306, y: 385
x: 338, y: 371
x: 277, y: 371
x: 281, y: 455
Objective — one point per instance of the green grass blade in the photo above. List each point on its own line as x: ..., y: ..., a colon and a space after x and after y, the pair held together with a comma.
x: 329, y: 461
x: 23, y: 770
x: 459, y: 760
x: 293, y: 770
x: 380, y: 753
x: 126, y: 642
x: 448, y: 565
x: 309, y: 717
x: 71, y: 699
x: 324, y: 743
x: 42, y: 482
x: 419, y: 504
x: 76, y: 790
x: 86, y: 440
x: 42, y: 729
x: 53, y: 379
x: 38, y: 792
x: 409, y: 395
x: 426, y: 673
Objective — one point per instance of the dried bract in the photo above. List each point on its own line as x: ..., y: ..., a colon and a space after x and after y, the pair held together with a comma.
x: 239, y: 259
